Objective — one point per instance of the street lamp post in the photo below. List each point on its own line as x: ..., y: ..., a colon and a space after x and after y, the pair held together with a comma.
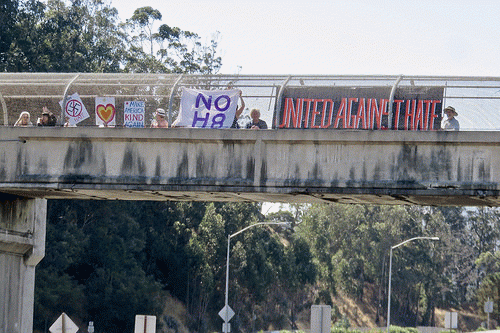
x: 390, y: 274
x: 226, y: 305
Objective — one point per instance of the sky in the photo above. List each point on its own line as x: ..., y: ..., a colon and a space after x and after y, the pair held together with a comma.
x: 459, y: 38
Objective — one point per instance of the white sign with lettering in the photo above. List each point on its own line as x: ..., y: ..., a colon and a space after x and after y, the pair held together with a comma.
x: 133, y: 114
x: 207, y: 108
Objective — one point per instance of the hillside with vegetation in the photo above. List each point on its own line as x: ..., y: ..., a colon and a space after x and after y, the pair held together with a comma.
x: 108, y: 261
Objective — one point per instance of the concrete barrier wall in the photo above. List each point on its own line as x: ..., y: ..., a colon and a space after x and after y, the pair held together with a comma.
x: 22, y: 246
x: 349, y: 166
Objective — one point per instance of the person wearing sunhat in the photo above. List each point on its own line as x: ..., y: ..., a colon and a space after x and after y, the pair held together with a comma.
x: 24, y: 120
x: 451, y: 123
x: 159, y: 120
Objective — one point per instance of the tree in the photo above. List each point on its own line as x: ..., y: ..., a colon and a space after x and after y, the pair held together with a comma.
x: 484, y: 225
x: 18, y: 52
x: 103, y: 34
x: 178, y: 51
x: 298, y: 273
x: 106, y: 261
x: 92, y: 268
x: 55, y: 37
x: 351, y: 246
x: 143, y: 19
x: 8, y: 14
x: 490, y: 291
x: 86, y: 36
x: 257, y: 262
x: 56, y: 288
x: 207, y: 247
x: 489, y: 263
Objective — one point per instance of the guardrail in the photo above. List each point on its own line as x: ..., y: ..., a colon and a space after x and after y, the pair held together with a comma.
x: 477, y: 99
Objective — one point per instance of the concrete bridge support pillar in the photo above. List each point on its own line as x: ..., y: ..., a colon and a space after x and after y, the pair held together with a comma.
x: 22, y: 246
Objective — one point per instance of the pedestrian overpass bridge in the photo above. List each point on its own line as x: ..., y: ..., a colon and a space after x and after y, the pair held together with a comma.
x: 308, y: 166
x: 429, y: 167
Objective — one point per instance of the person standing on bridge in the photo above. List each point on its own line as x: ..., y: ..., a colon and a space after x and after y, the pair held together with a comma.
x: 68, y: 123
x: 450, y: 124
x: 24, y: 120
x: 256, y: 123
x: 47, y: 118
x: 239, y: 111
x: 159, y: 121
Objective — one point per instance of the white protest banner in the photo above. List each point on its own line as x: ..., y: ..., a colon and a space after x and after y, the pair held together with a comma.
x: 207, y: 108
x: 74, y: 110
x: 105, y: 111
x: 133, y: 114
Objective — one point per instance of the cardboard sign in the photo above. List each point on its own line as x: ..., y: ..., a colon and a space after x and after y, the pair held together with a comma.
x: 134, y: 114
x: 105, y: 111
x: 74, y: 109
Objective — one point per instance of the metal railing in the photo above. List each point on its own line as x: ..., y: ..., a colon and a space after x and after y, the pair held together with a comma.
x: 476, y: 99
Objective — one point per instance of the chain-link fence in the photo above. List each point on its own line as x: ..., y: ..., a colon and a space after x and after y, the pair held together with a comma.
x: 476, y: 99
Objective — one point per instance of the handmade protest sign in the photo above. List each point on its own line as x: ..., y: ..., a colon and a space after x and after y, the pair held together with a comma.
x: 207, y: 108
x: 105, y: 111
x: 413, y: 108
x: 133, y: 114
x: 74, y: 109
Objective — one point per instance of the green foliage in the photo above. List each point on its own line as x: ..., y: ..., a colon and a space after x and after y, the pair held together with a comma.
x: 86, y: 36
x: 143, y: 20
x: 350, y: 247
x: 490, y: 290
x: 8, y: 13
x: 398, y: 329
x: 342, y: 324
x: 481, y: 329
x: 57, y: 292
x: 91, y: 268
x: 339, y: 330
x: 107, y: 261
x: 484, y: 225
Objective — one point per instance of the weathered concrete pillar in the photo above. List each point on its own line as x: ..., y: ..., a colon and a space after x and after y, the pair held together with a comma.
x: 22, y: 246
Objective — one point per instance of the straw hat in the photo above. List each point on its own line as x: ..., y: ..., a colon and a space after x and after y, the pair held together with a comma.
x: 451, y: 109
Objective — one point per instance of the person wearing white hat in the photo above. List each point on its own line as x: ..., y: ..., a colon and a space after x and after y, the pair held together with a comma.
x: 24, y: 120
x: 159, y: 120
x: 451, y: 123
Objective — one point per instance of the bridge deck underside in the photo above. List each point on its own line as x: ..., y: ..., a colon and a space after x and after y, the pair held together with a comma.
x: 299, y: 196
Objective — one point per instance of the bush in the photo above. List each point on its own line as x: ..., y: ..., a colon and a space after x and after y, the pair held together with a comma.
x: 343, y: 323
x: 337, y: 329
x: 398, y: 329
